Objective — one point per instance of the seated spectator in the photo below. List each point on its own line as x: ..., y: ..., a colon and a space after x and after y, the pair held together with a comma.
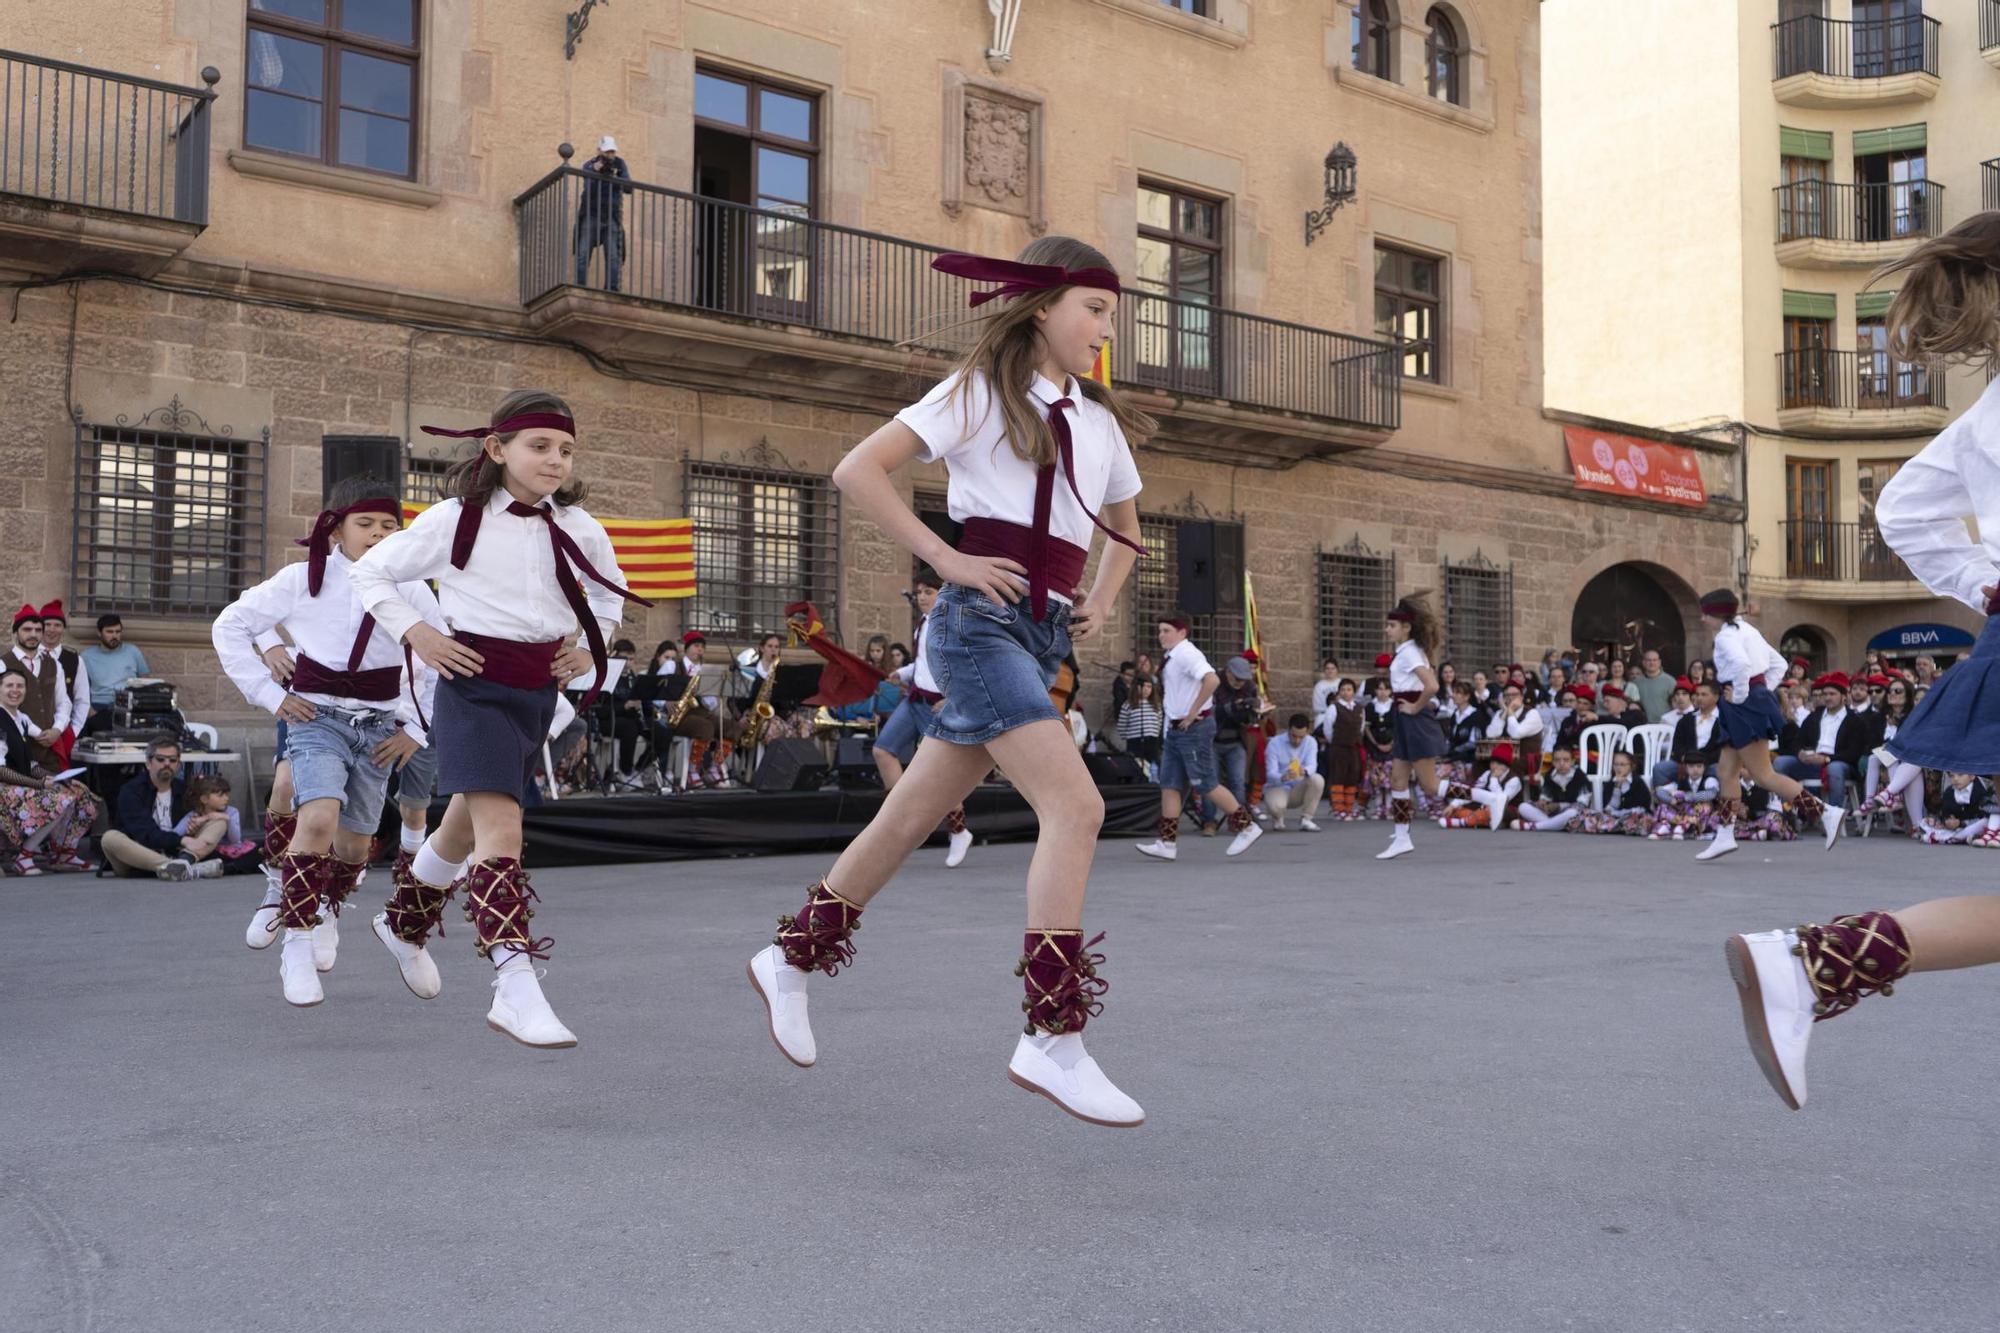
x: 39, y: 817
x: 1628, y: 804
x: 1292, y: 779
x: 1485, y: 803
x: 1763, y: 818
x: 212, y: 826
x: 1694, y: 734
x: 1962, y: 810
x: 1141, y: 724
x: 1616, y: 708
x: 1581, y: 701
x: 1833, y: 741
x: 110, y: 663
x: 1519, y: 724
x: 1682, y: 807
x: 1464, y: 727
x: 1560, y: 796
x: 141, y: 839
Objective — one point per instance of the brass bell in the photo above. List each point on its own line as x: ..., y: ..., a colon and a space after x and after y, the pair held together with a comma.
x: 1888, y: 988
x: 1798, y: 951
x: 1826, y: 974
x: 1868, y: 964
x: 1820, y: 1008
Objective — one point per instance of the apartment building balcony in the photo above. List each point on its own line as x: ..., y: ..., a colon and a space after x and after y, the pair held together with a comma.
x: 1989, y: 33
x: 742, y: 295
x: 1989, y: 181
x: 1822, y: 224
x: 99, y: 170
x: 1839, y: 63
x: 1845, y: 562
x: 1825, y: 392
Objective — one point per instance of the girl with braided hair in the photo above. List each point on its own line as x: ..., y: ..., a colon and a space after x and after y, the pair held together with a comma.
x: 1040, y: 460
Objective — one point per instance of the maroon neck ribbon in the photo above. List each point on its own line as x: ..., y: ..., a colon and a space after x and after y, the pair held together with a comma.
x: 319, y: 542
x: 570, y: 558
x: 1018, y: 279
x: 1045, y: 488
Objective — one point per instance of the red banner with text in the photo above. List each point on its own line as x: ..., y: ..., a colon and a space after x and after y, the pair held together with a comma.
x: 1644, y: 469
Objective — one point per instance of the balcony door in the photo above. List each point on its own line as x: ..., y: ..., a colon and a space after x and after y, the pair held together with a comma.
x: 1178, y: 282
x: 1802, y: 203
x: 1878, y: 562
x: 1801, y: 37
x: 1888, y: 37
x: 756, y: 150
x: 1809, y: 530
x: 1806, y: 380
x: 1881, y: 380
x: 1892, y: 196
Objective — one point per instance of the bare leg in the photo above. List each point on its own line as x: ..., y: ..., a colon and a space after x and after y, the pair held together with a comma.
x: 453, y: 839
x: 942, y: 776
x: 1046, y: 768
x: 890, y: 767
x: 496, y: 824
x: 1947, y: 933
x: 281, y: 788
x: 317, y: 822
x: 1756, y: 759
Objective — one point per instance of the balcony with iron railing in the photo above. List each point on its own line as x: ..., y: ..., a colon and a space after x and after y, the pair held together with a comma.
x: 707, y: 283
x: 1824, y: 224
x: 1989, y: 182
x: 1820, y: 550
x: 1826, y: 392
x: 1822, y: 62
x: 1989, y: 32
x: 97, y: 169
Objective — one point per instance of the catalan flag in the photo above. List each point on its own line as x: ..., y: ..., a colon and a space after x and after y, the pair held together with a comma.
x: 1100, y: 369
x: 656, y: 555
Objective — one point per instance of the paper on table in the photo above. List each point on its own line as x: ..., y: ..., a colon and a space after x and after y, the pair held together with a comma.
x: 69, y: 773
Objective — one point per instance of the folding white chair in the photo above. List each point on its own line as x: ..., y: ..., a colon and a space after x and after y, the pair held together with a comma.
x: 1648, y: 745
x: 1599, y: 744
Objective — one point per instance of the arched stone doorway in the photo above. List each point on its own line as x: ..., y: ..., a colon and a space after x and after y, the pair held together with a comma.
x: 1809, y: 642
x: 1630, y: 608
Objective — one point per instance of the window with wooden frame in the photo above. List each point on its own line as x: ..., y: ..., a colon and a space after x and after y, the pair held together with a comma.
x: 1178, y: 282
x: 1373, y: 37
x: 1444, y: 57
x: 334, y: 81
x: 756, y: 145
x: 1408, y: 303
x: 1809, y: 519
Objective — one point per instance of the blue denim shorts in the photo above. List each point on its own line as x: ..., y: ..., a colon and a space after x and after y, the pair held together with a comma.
x: 1187, y: 759
x: 899, y: 735
x: 994, y: 663
x: 332, y: 755
x: 416, y: 781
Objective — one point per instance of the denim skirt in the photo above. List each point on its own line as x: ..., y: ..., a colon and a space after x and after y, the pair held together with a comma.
x: 994, y: 662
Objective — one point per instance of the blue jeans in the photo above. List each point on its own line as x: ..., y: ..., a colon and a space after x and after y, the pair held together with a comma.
x: 994, y: 664
x: 905, y: 727
x: 333, y: 756
x: 1838, y: 775
x: 1187, y: 758
x: 1233, y: 758
x: 591, y: 232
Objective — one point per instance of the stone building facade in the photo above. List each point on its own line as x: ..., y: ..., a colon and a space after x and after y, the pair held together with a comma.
x: 178, y: 361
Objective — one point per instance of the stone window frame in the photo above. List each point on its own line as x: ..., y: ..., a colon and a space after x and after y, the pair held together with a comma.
x: 1408, y: 82
x: 956, y: 85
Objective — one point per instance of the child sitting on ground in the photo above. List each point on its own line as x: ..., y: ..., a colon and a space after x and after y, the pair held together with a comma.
x: 1562, y: 795
x: 1682, y: 807
x: 214, y: 824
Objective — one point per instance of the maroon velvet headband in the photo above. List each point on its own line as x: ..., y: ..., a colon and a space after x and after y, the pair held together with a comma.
x: 319, y: 542
x: 526, y: 421
x: 1403, y: 614
x: 1017, y: 279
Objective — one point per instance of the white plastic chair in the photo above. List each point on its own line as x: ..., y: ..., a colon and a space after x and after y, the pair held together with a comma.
x: 210, y: 737
x: 1599, y: 743
x: 1648, y: 745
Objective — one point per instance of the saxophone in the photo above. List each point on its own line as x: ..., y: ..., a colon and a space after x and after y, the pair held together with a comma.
x: 760, y: 717
x: 686, y: 701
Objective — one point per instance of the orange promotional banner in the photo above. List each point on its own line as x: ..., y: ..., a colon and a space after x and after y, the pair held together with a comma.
x: 1643, y: 469
x: 656, y: 555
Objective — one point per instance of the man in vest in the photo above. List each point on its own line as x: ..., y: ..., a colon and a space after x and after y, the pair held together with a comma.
x: 74, y: 673
x: 47, y: 704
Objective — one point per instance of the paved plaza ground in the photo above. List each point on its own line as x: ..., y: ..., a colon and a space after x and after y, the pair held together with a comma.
x: 1496, y: 1085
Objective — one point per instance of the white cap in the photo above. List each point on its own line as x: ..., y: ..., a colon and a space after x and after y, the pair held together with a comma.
x: 607, y: 145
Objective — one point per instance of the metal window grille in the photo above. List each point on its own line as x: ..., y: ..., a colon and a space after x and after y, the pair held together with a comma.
x: 168, y: 515
x: 425, y: 465
x: 1356, y: 589
x: 1479, y: 613
x: 1157, y: 583
x: 763, y: 538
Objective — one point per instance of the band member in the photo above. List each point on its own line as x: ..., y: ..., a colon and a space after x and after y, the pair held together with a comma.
x: 709, y: 745
x: 510, y: 547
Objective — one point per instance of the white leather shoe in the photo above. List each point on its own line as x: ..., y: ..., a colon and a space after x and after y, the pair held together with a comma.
x: 1777, y: 1007
x: 1241, y: 842
x: 1307, y: 826
x: 420, y: 972
x: 520, y: 1011
x: 961, y: 843
x: 1399, y: 844
x: 783, y: 988
x: 296, y: 970
x: 326, y: 939
x: 1724, y: 844
x: 1831, y: 819
x: 263, y: 928
x: 1061, y: 1070
x: 1160, y: 851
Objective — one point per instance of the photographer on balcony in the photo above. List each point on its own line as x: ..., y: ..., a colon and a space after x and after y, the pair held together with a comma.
x: 599, y: 215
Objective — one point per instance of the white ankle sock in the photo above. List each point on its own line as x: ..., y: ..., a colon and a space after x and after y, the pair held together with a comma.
x: 1066, y: 1050
x: 432, y: 868
x: 509, y: 960
x: 413, y: 838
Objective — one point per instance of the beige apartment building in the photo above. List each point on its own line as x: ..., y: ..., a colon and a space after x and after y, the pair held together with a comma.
x: 1722, y: 180
x: 241, y: 238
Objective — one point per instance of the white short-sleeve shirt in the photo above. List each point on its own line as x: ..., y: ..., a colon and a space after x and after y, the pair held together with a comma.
x: 1403, y: 667
x: 989, y: 480
x: 1181, y: 675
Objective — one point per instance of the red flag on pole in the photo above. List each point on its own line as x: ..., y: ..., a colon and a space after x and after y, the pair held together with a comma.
x: 846, y: 679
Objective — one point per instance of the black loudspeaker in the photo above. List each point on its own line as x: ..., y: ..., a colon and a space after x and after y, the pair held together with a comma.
x: 854, y: 764
x: 790, y: 765
x: 344, y: 456
x: 1228, y: 566
x: 1111, y: 769
x: 1194, y: 578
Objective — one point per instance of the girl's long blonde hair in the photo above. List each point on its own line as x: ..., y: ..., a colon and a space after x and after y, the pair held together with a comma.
x: 1948, y: 307
x: 1006, y: 352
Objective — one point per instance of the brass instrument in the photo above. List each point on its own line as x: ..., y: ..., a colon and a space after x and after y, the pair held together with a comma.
x: 686, y: 701
x: 823, y: 720
x: 760, y: 717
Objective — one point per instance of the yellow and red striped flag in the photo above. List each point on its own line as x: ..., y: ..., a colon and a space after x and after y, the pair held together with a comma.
x: 656, y: 555
x: 1100, y: 369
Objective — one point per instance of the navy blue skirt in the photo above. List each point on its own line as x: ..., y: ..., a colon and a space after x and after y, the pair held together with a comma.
x: 489, y: 736
x: 1956, y: 729
x: 1757, y: 718
x: 1416, y: 736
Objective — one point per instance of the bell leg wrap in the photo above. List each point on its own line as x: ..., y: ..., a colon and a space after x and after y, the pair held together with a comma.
x: 1853, y: 957
x: 278, y: 832
x: 341, y: 877
x: 819, y: 938
x: 497, y: 898
x: 954, y: 823
x: 1400, y: 808
x: 1809, y: 808
x: 1059, y: 974
x: 416, y: 908
x: 301, y: 882
x: 1239, y: 819
x: 1170, y: 830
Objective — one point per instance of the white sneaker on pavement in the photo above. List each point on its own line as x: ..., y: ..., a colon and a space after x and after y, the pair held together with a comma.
x: 1307, y: 826
x: 1777, y: 1007
x: 296, y: 970
x: 210, y: 869
x: 175, y: 869
x: 263, y: 928
x: 1399, y: 844
x: 522, y: 1012
x: 961, y: 843
x: 1832, y: 819
x: 420, y: 972
x: 326, y: 939
x: 1724, y: 844
x: 1241, y: 842
x: 1160, y: 851
x: 783, y: 989
x: 1061, y: 1070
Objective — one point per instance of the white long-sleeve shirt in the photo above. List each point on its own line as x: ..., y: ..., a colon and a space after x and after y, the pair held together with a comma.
x: 1743, y: 655
x: 323, y: 628
x: 79, y: 690
x: 1921, y: 513
x: 1527, y: 723
x: 508, y: 588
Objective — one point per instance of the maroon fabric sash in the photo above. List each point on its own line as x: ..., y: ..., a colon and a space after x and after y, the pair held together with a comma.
x: 1408, y: 696
x: 377, y: 686
x: 522, y: 666
x: 1053, y: 564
